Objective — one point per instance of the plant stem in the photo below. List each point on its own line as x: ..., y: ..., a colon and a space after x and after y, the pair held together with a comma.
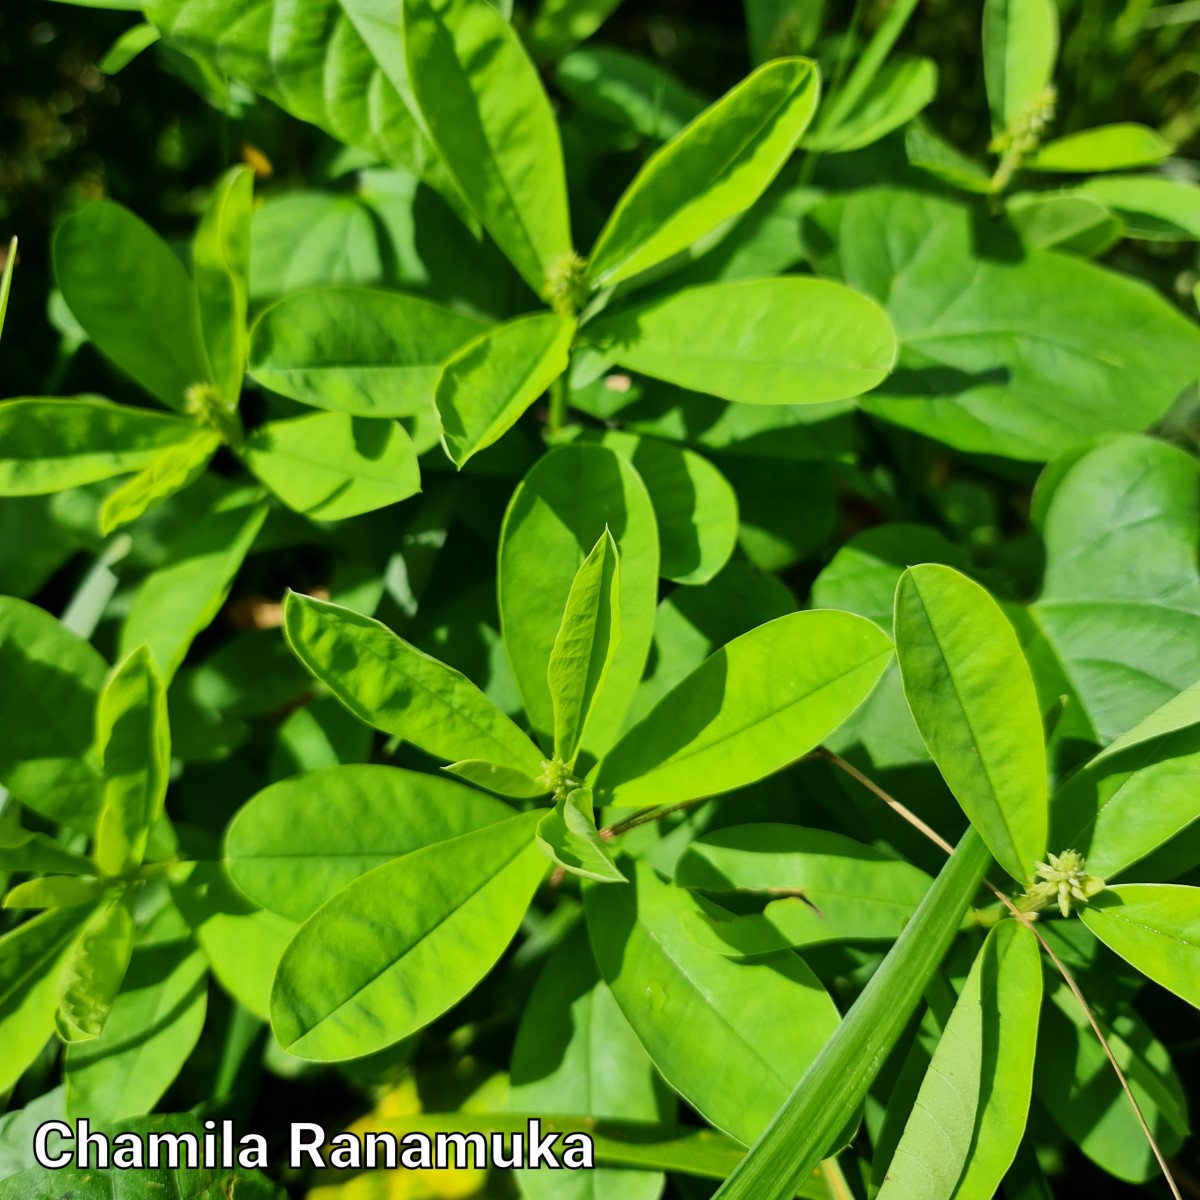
x: 557, y: 416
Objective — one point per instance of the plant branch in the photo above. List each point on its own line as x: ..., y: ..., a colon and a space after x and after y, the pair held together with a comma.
x: 1028, y: 922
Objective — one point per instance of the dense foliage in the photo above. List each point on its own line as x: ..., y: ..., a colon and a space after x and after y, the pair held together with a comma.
x: 623, y: 565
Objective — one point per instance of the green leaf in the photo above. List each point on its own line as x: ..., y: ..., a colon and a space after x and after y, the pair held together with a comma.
x: 991, y: 361
x: 221, y: 267
x: 485, y: 110
x: 760, y: 702
x: 25, y: 850
x: 835, y: 889
x: 791, y: 340
x: 831, y: 1090
x: 338, y: 68
x: 397, y: 688
x: 712, y: 171
x: 585, y: 645
x: 94, y: 967
x: 1120, y: 602
x: 1150, y: 206
x: 575, y: 1054
x: 694, y: 504
x: 1020, y: 46
x: 568, y: 835
x: 503, y: 781
x: 1126, y: 803
x: 154, y: 335
x: 128, y: 46
x: 779, y: 27
x: 357, y: 350
x: 1075, y: 1083
x: 56, y: 891
x: 972, y: 696
x: 902, y: 89
x: 929, y: 151
x: 168, y: 472
x: 1066, y: 221
x: 178, y: 600
x: 29, y: 960
x: 51, y: 445
x: 51, y: 682
x: 632, y: 92
x: 731, y: 1038
x: 151, y: 1031
x: 414, y: 936
x: 6, y: 278
x: 1156, y: 929
x: 329, y: 466
x: 970, y: 1113
x: 556, y: 516
x: 295, y: 844
x: 561, y: 24
x: 133, y: 745
x: 490, y: 382
x: 1106, y: 148
x: 243, y: 944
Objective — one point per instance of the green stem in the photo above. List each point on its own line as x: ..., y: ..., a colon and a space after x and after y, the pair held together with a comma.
x: 825, y: 1100
x: 557, y: 416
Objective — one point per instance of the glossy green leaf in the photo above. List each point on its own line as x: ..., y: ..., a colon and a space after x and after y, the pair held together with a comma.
x: 731, y: 1038
x: 575, y: 1054
x: 155, y: 336
x: 831, y: 1090
x: 503, y: 781
x: 972, y: 696
x: 929, y: 151
x: 561, y: 24
x: 133, y: 745
x: 632, y: 92
x: 1076, y: 1085
x: 760, y: 702
x: 414, y: 937
x: 51, y: 681
x: 711, y: 171
x: 296, y: 843
x: 25, y: 850
x: 56, y: 891
x: 221, y: 268
x: 970, y: 1113
x: 94, y: 967
x: 357, y: 350
x: 1020, y: 46
x: 29, y: 959
x: 1120, y: 602
x: 490, y: 382
x: 694, y: 504
x: 243, y: 944
x: 52, y: 445
x: 568, y: 835
x: 397, y: 688
x: 151, y: 1031
x: 178, y: 600
x: 1106, y: 148
x: 902, y: 89
x: 585, y: 645
x: 329, y: 466
x: 554, y: 519
x: 831, y: 887
x: 1155, y: 928
x: 168, y: 472
x: 485, y: 110
x: 338, y: 67
x: 781, y: 341
x: 991, y: 361
x: 1150, y: 206
x: 1127, y: 803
